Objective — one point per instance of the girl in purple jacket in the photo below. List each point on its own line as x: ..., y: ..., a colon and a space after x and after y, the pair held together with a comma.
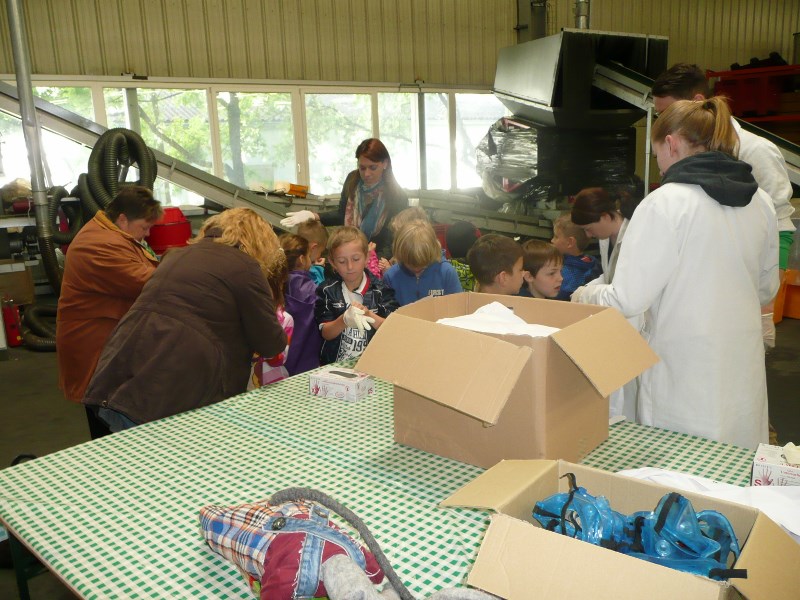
x: 300, y: 298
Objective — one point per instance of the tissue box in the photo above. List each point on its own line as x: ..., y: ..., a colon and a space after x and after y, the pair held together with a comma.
x: 339, y: 383
x: 771, y: 468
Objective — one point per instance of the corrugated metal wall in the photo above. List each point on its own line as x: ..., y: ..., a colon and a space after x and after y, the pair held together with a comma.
x: 437, y: 41
x: 711, y: 33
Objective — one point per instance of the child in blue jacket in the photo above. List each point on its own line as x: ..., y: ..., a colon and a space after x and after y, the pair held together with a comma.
x: 578, y: 269
x: 420, y: 271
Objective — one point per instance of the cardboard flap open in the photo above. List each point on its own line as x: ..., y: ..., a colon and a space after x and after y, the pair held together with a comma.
x: 623, y: 352
x: 771, y: 558
x: 469, y: 372
x: 507, y: 487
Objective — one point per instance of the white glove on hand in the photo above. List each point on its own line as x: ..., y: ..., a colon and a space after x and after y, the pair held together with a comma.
x: 768, y: 331
x: 576, y: 295
x: 295, y: 218
x: 355, y: 317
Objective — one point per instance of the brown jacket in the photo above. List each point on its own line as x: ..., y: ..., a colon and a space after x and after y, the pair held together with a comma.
x: 188, y: 339
x: 105, y: 271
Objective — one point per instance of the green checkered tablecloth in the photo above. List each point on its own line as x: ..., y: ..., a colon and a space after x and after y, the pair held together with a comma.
x: 118, y: 517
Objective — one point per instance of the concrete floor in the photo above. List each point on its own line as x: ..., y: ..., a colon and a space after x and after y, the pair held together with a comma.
x: 37, y: 420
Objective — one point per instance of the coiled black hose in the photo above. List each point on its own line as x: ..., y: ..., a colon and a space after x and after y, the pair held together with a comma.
x: 73, y: 214
x: 36, y: 333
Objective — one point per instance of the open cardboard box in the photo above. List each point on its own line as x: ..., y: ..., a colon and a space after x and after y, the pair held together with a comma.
x: 481, y: 398
x: 519, y: 560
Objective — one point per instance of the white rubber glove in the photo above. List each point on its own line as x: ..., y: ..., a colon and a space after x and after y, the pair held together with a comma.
x: 355, y: 317
x: 576, y: 295
x: 768, y: 331
x: 295, y: 218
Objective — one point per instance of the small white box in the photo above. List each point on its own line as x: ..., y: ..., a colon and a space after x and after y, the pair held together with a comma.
x: 339, y: 383
x: 770, y: 467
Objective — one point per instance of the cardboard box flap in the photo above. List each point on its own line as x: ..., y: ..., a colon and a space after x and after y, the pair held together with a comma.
x: 519, y: 561
x: 606, y: 349
x: 507, y: 487
x: 469, y: 372
x: 771, y: 558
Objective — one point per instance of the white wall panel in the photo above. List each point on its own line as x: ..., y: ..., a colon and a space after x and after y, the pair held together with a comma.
x: 438, y: 41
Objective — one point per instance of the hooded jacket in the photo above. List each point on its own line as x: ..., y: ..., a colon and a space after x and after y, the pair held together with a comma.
x: 699, y: 259
x: 727, y: 180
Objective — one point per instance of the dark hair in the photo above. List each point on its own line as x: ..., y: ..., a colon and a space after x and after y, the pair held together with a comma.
x: 460, y: 237
x: 681, y: 81
x: 491, y: 255
x: 593, y: 203
x: 135, y: 202
x: 313, y: 231
x: 294, y: 246
x: 374, y: 150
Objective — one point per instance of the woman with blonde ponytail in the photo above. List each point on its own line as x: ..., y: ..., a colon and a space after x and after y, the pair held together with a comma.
x: 700, y: 258
x: 188, y: 339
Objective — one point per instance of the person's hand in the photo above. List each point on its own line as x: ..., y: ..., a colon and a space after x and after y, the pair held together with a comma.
x: 295, y: 218
x: 384, y: 265
x: 356, y: 317
x: 371, y: 246
x: 576, y: 295
x: 768, y: 331
x: 320, y: 261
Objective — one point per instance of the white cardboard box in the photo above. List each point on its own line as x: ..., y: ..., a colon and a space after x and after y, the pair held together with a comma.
x: 518, y: 560
x: 770, y: 467
x: 342, y: 384
x: 481, y: 398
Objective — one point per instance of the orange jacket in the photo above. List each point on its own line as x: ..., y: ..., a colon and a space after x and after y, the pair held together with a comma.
x: 105, y: 271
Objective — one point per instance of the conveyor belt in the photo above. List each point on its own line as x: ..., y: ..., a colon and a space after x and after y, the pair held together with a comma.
x: 634, y: 88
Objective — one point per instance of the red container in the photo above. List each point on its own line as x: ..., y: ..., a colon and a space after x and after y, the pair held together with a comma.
x: 172, y: 230
x: 12, y: 323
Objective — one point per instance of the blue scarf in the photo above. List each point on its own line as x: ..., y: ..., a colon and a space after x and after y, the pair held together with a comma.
x: 369, y: 219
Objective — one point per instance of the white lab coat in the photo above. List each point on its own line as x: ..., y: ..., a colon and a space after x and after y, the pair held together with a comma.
x: 701, y: 270
x: 621, y: 402
x: 769, y: 171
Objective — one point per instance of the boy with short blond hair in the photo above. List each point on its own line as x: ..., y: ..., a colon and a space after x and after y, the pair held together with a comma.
x: 496, y: 263
x: 317, y: 236
x: 578, y: 269
x: 353, y: 303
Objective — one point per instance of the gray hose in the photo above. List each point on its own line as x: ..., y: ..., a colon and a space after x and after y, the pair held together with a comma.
x: 38, y: 343
x: 298, y: 493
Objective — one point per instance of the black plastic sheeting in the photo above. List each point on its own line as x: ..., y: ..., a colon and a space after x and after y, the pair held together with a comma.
x: 526, y: 167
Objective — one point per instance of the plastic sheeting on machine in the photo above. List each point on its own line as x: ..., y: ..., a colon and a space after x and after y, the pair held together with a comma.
x: 529, y: 167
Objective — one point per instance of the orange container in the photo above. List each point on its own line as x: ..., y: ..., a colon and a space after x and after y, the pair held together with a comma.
x: 791, y: 299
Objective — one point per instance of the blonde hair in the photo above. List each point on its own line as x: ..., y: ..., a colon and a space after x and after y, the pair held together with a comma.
x: 407, y: 215
x: 537, y: 253
x: 564, y: 225
x: 313, y: 231
x: 704, y: 124
x: 242, y: 228
x: 416, y: 245
x: 344, y: 235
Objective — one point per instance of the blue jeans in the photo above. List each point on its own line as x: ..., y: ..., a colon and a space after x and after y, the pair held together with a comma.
x: 116, y: 421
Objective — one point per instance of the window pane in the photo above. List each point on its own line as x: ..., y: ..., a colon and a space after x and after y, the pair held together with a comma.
x: 474, y: 114
x: 75, y: 99
x: 64, y: 159
x: 257, y: 136
x: 437, y: 141
x: 172, y: 121
x: 336, y: 124
x: 170, y: 194
x: 398, y: 121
